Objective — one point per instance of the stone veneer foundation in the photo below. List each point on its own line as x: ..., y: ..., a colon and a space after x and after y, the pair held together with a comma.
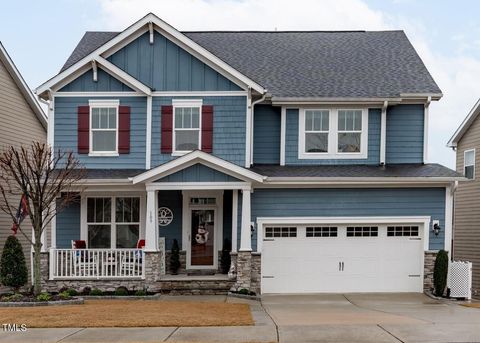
x: 428, y: 266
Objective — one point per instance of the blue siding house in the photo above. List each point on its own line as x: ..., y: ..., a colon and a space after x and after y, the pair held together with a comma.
x: 278, y: 162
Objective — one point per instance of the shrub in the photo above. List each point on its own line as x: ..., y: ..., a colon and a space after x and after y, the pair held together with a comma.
x: 440, y: 272
x: 64, y: 295
x: 44, y: 297
x: 13, y: 297
x: 175, y: 258
x: 71, y: 292
x: 86, y: 290
x: 226, y: 260
x: 96, y: 292
x: 244, y: 291
x: 140, y: 293
x: 121, y: 291
x: 13, y: 268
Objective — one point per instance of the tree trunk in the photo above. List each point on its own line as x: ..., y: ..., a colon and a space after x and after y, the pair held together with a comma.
x: 37, y: 286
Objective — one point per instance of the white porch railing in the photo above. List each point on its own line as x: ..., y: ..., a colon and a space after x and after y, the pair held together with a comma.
x: 97, y: 263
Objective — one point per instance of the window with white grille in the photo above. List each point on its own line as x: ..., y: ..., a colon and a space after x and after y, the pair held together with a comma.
x: 402, y: 231
x: 362, y: 231
x: 324, y: 231
x: 272, y: 232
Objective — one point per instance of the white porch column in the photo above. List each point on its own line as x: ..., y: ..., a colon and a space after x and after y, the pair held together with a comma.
x: 246, y: 238
x: 53, y: 226
x: 234, y: 220
x: 151, y: 227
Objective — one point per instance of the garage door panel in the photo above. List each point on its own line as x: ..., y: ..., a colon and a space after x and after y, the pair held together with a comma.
x: 371, y: 261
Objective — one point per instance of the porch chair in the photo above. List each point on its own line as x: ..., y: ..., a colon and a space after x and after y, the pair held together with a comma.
x: 84, y: 264
x: 132, y: 265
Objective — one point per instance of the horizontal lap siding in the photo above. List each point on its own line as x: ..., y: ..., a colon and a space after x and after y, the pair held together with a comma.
x: 105, y: 83
x: 68, y: 225
x: 291, y: 144
x: 351, y: 202
x: 229, y: 127
x: 198, y: 173
x: 18, y: 126
x: 164, y: 66
x: 467, y: 206
x: 66, y: 132
x: 405, y: 134
x: 266, y: 135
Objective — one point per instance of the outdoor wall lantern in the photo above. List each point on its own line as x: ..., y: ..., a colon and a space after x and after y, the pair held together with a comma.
x: 436, y: 227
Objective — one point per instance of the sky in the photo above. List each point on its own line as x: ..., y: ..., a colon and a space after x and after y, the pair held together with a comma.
x: 40, y: 35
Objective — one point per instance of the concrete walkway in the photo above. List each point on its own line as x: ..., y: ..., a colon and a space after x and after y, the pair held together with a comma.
x: 302, y: 318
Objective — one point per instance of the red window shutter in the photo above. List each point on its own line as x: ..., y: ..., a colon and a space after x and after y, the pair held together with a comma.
x: 83, y: 129
x: 207, y: 128
x: 124, y: 130
x: 167, y: 127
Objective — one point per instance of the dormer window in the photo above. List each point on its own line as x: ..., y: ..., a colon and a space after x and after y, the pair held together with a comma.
x: 187, y: 126
x: 333, y: 133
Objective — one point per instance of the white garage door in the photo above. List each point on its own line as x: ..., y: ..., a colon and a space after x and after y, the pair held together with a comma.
x: 342, y: 258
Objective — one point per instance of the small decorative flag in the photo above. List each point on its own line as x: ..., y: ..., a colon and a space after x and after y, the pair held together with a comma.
x: 22, y: 212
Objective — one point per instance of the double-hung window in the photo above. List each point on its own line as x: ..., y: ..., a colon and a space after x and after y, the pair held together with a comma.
x: 469, y: 164
x: 316, y: 131
x: 187, y: 126
x: 332, y: 133
x: 104, y: 127
x: 349, y: 131
x: 113, y: 222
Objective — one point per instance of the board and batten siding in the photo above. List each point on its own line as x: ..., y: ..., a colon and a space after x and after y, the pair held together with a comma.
x: 66, y: 135
x: 266, y: 135
x: 343, y: 202
x: 467, y: 206
x: 229, y: 128
x: 291, y: 142
x: 164, y: 66
x: 405, y: 134
x: 105, y: 83
x: 18, y: 126
x: 198, y: 173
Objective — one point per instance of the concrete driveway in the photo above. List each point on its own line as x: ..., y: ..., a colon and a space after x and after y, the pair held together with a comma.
x: 371, y: 318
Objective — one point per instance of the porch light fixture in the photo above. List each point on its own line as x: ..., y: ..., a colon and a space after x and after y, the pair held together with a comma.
x: 436, y: 228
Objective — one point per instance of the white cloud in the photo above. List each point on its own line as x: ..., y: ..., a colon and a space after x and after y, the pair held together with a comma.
x: 457, y: 74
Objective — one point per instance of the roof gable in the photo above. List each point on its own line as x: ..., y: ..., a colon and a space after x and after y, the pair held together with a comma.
x: 105, y: 83
x: 22, y: 86
x: 198, y: 173
x: 150, y: 23
x: 465, y: 125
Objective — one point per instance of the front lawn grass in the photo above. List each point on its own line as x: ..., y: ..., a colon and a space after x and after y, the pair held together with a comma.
x: 130, y: 313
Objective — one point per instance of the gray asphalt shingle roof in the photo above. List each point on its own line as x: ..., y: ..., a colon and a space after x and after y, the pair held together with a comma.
x: 346, y: 171
x: 311, y: 64
x: 352, y: 171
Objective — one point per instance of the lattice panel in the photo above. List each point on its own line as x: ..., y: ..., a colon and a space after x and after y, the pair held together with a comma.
x: 460, y: 279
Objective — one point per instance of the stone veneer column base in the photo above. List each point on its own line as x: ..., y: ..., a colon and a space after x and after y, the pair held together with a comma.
x: 429, y: 264
x: 244, y: 270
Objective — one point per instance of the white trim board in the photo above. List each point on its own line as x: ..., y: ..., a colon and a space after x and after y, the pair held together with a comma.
x: 465, y: 125
x: 423, y: 220
x: 195, y: 157
x: 170, y: 33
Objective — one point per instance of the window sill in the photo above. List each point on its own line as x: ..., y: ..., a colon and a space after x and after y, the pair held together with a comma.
x: 103, y: 154
x: 327, y: 156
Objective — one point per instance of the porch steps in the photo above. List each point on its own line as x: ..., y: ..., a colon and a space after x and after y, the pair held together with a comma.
x: 201, y: 272
x: 217, y: 284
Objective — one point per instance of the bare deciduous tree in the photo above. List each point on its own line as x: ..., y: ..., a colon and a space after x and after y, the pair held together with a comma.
x: 50, y: 181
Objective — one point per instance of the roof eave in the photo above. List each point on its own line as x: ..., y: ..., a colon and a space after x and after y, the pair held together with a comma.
x: 465, y: 125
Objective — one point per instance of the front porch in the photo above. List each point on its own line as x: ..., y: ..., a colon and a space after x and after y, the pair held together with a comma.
x: 199, y: 206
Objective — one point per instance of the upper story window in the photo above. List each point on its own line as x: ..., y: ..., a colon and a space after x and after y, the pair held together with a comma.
x: 104, y: 127
x: 332, y: 133
x: 469, y: 164
x: 187, y: 126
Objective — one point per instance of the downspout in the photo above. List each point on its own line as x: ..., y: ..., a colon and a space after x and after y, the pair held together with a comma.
x: 383, y: 133
x: 252, y: 107
x: 453, y: 190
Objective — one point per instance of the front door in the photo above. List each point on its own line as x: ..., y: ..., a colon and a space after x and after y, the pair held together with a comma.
x: 202, y: 237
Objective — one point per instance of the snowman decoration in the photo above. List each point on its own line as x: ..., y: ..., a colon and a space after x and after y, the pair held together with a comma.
x: 202, y: 235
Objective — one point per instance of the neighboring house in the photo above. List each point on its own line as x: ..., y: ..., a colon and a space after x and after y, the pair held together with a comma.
x: 466, y: 243
x: 22, y: 121
x: 306, y: 150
